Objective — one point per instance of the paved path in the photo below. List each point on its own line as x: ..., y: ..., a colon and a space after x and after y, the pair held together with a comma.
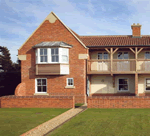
x: 52, y: 124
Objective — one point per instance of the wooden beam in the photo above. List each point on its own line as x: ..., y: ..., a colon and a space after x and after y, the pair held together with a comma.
x: 111, y: 58
x: 115, y: 50
x: 132, y: 50
x: 139, y: 50
x: 107, y: 50
x: 136, y: 59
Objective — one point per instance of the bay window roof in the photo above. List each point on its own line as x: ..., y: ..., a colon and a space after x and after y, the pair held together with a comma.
x: 52, y: 44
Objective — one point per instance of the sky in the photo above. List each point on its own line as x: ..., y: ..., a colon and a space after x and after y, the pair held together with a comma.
x: 19, y: 18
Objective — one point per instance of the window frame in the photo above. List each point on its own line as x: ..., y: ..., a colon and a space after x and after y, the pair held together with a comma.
x: 145, y: 54
x: 72, y: 81
x: 123, y: 54
x: 49, y: 56
x: 122, y: 84
x: 43, y: 55
x: 145, y: 84
x: 36, y: 91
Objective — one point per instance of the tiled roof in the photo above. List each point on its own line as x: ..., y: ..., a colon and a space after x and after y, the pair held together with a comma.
x: 115, y: 40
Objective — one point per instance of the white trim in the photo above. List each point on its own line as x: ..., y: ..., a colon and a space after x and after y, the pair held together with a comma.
x: 118, y: 84
x: 36, y: 85
x: 67, y: 82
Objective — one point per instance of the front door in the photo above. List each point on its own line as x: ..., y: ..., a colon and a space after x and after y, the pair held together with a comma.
x: 103, y: 65
x: 123, y: 65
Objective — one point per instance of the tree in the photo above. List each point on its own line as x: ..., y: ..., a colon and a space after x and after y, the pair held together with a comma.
x: 17, y: 66
x: 5, y: 59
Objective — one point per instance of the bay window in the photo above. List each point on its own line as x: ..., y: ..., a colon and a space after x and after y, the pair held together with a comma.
x: 52, y: 55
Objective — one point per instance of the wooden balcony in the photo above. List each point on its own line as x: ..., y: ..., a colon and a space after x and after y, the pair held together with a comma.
x: 118, y: 66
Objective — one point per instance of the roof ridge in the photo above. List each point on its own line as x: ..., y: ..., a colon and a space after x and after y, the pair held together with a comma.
x: 107, y: 35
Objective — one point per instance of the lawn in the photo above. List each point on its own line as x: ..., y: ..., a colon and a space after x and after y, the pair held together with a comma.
x: 107, y: 122
x: 15, y: 121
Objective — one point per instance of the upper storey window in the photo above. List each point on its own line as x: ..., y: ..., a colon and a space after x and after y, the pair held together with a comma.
x: 55, y: 55
x: 43, y: 55
x: 52, y: 55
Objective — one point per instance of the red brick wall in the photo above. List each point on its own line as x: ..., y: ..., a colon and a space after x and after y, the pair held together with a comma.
x: 119, y: 102
x: 115, y: 94
x: 37, y: 102
x: 55, y: 84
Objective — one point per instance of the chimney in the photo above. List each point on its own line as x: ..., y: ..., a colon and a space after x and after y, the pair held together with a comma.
x: 136, y: 30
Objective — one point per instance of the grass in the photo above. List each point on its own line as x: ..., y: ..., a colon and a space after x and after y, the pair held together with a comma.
x: 107, y: 122
x: 16, y: 121
x: 78, y: 105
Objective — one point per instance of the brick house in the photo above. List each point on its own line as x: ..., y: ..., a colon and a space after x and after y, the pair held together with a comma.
x: 56, y: 61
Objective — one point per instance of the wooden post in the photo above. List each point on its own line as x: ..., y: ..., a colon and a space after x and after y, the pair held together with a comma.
x: 113, y: 81
x: 136, y: 59
x: 136, y: 84
x: 111, y: 60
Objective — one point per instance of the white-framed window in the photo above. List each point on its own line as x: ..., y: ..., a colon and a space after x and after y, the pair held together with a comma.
x: 43, y: 55
x: 40, y: 85
x: 70, y: 82
x: 147, y: 55
x: 123, y: 84
x: 54, y: 55
x: 64, y: 57
x: 123, y: 55
x: 147, y: 84
x: 103, y: 55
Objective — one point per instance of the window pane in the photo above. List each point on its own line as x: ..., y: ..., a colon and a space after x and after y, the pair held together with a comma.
x: 64, y: 51
x: 147, y: 80
x: 57, y: 59
x: 53, y: 58
x: 44, y: 88
x: 41, y: 51
x: 43, y: 81
x: 126, y: 56
x: 147, y: 55
x: 38, y: 81
x: 120, y: 55
x: 45, y: 51
x: 52, y: 51
x: 99, y: 55
x: 123, y: 87
x: 41, y: 59
x: 71, y: 82
x: 39, y: 89
x: 105, y: 55
x: 56, y: 51
x: 123, y: 81
x: 64, y: 59
x: 45, y: 58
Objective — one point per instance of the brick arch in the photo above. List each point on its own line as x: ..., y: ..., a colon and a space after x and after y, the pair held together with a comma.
x: 21, y: 89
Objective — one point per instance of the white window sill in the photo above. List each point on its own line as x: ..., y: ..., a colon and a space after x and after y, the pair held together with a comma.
x: 53, y: 63
x: 69, y: 86
x: 123, y: 91
x: 41, y: 94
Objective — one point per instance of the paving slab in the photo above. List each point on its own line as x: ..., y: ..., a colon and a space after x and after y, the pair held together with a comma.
x: 55, y: 122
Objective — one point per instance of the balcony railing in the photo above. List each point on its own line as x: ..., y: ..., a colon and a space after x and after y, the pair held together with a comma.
x: 126, y: 66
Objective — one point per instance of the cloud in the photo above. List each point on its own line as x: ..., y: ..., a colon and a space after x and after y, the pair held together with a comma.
x: 114, y: 17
